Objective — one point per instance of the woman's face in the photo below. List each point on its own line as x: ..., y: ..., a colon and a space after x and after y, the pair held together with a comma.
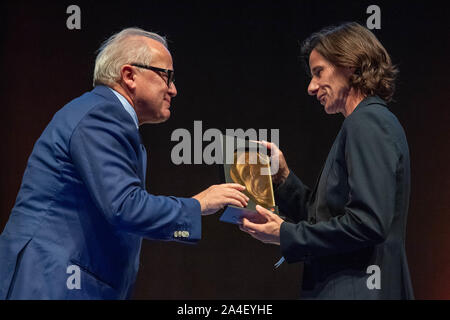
x: 329, y: 84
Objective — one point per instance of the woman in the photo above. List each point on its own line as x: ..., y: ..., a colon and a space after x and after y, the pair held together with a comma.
x: 350, y: 229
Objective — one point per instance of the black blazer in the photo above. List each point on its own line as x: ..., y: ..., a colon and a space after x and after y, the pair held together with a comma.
x: 354, y: 221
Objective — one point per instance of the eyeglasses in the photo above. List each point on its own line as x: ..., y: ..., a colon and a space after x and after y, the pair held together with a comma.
x: 170, y: 73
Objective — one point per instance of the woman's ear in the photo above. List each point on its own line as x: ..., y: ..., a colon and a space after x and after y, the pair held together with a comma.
x: 351, y: 70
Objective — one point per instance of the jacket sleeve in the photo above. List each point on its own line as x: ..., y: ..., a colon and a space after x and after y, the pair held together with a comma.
x: 371, y: 160
x: 292, y: 198
x: 104, y: 151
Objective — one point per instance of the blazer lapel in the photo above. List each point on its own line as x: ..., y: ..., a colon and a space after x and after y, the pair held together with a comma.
x: 143, y: 160
x: 143, y: 163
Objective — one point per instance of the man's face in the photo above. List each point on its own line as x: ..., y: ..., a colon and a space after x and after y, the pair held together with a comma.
x: 152, y: 96
x: 329, y: 84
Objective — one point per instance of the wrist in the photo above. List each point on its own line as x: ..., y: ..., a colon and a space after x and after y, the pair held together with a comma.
x: 285, y: 175
x: 282, y: 177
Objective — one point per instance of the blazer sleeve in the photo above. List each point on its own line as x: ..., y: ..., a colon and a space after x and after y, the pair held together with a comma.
x: 371, y: 159
x: 105, y: 154
x: 292, y: 198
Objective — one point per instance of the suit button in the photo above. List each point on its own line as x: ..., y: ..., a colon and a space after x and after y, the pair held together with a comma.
x: 185, y: 234
x: 312, y: 220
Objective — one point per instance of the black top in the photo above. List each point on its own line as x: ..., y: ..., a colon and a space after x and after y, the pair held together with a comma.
x: 350, y: 229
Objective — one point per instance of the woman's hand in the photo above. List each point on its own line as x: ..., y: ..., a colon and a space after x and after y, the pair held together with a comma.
x: 281, y: 175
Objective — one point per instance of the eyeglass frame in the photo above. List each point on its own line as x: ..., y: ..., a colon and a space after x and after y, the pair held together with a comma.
x: 170, y: 73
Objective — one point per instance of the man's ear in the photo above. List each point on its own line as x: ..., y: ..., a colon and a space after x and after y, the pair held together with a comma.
x: 128, y: 76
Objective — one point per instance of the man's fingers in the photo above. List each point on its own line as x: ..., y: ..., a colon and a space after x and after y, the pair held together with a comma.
x: 228, y: 198
x: 235, y: 186
x: 231, y: 193
x: 234, y: 202
x: 239, y: 196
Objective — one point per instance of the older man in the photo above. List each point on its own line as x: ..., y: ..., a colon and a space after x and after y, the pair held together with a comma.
x: 76, y: 228
x: 349, y: 230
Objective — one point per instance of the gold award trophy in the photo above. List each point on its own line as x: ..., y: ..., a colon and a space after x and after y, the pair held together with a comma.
x: 246, y: 169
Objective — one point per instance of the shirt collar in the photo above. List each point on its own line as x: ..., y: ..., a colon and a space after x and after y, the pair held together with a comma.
x: 127, y: 106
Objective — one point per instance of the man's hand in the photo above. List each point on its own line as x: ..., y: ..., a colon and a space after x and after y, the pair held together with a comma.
x: 218, y: 196
x: 283, y: 171
x: 267, y: 232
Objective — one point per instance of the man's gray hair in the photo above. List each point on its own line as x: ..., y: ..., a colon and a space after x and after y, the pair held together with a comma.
x: 122, y: 48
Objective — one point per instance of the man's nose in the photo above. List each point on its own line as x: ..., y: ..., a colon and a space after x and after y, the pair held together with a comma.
x: 312, y: 88
x: 173, y: 90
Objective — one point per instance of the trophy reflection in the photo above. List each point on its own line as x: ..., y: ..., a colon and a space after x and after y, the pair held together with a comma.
x: 246, y: 170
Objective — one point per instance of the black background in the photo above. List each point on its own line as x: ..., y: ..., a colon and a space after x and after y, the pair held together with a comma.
x: 237, y: 66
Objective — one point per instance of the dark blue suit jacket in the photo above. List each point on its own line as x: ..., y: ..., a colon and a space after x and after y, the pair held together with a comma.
x: 355, y: 217
x: 83, y: 203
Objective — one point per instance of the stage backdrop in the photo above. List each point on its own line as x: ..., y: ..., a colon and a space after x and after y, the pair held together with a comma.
x: 237, y: 66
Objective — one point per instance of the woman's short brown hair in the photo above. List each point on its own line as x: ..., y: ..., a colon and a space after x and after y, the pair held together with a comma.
x: 352, y: 45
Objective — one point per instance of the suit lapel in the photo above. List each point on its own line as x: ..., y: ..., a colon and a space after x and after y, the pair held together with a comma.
x: 323, y: 175
x: 325, y: 166
x: 143, y: 157
x: 313, y: 194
